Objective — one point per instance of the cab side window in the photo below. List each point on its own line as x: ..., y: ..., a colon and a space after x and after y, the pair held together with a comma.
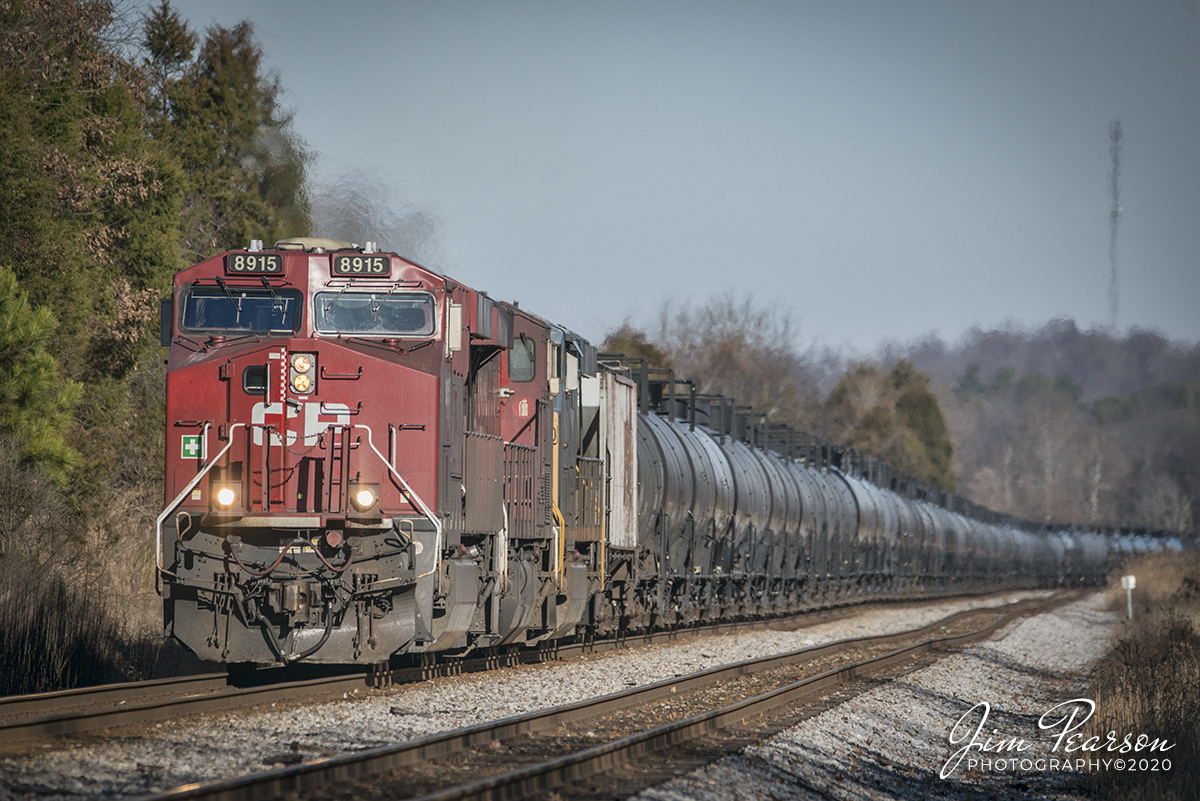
x: 521, y: 360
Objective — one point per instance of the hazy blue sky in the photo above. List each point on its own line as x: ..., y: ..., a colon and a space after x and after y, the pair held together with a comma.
x: 880, y: 170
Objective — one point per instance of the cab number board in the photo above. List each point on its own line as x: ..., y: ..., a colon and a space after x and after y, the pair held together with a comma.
x: 257, y: 263
x: 359, y: 264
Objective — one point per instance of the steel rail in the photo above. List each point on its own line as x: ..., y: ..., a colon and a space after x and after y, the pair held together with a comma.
x: 125, y: 704
x: 309, y: 776
x: 41, y: 715
x: 30, y: 717
x: 537, y: 779
x: 113, y: 694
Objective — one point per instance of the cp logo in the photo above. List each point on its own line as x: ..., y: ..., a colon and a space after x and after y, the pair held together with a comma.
x: 318, y: 417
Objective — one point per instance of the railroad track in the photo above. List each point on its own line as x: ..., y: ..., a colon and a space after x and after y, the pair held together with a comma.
x: 795, y: 676
x: 31, y: 717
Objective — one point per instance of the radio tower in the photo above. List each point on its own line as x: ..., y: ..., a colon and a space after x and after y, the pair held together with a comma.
x: 1114, y: 218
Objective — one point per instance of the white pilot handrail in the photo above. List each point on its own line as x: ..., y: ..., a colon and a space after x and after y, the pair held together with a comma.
x: 429, y: 515
x: 158, y: 543
x: 173, y: 505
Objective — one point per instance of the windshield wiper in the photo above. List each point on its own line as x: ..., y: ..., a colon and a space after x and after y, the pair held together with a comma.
x: 375, y: 307
x: 237, y: 302
x: 329, y: 304
x: 278, y: 303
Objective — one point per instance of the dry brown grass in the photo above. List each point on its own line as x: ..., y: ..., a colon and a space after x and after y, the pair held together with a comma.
x: 1150, y: 682
x: 57, y: 634
x: 77, y: 602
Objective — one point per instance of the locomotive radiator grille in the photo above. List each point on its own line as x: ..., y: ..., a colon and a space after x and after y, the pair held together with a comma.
x: 546, y: 499
x: 589, y: 499
x: 519, y: 489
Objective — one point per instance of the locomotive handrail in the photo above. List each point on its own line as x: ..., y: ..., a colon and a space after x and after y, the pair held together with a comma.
x: 349, y: 411
x: 429, y: 515
x: 347, y: 376
x: 173, y: 505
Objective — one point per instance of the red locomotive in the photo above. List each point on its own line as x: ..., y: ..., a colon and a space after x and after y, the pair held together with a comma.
x: 366, y: 458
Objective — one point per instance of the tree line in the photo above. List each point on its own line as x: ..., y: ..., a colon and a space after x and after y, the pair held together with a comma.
x: 737, y: 348
x: 1054, y: 425
x: 133, y: 146
x: 1063, y: 425
x: 119, y: 170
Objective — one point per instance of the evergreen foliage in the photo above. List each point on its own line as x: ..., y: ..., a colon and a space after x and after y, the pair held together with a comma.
x: 111, y: 169
x: 245, y: 168
x: 89, y: 208
x: 894, y: 416
x: 35, y: 403
x: 115, y: 174
x: 169, y: 44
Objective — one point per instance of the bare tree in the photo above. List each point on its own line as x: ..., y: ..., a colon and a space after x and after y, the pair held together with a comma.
x: 746, y: 351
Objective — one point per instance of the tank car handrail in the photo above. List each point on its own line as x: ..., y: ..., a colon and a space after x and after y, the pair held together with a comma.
x: 173, y: 505
x: 429, y: 515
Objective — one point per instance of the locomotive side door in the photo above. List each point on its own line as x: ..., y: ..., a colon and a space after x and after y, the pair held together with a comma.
x: 525, y: 428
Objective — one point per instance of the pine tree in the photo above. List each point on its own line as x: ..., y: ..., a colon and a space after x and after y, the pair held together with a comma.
x: 88, y: 209
x: 246, y: 168
x: 170, y: 43
x: 35, y: 402
x: 922, y: 416
x: 895, y: 417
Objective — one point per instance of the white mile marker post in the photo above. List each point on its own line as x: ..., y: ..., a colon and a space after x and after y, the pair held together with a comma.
x: 1129, y: 582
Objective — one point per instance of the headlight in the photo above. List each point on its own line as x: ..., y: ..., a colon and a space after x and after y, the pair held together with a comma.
x: 225, y: 497
x: 303, y: 380
x: 364, y: 498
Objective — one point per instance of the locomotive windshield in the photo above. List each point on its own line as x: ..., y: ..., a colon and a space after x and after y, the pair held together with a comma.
x: 394, y: 313
x: 235, y: 309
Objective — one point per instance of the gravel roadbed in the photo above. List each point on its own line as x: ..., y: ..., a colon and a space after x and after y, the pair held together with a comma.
x: 199, y: 749
x: 536, y: 747
x: 893, y: 742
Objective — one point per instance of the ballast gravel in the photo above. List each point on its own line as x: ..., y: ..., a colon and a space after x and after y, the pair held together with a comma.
x: 203, y: 749
x: 893, y: 742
